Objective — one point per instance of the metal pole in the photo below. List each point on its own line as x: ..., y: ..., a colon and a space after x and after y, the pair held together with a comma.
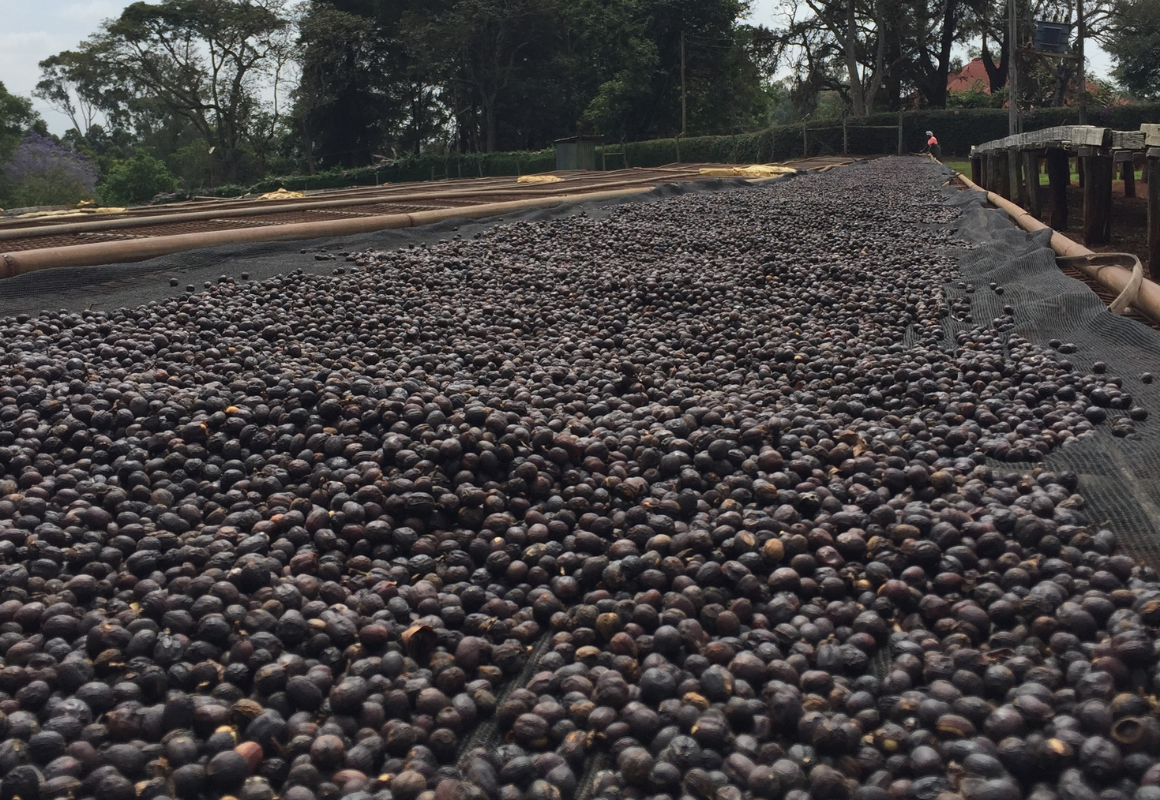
x: 684, y: 96
x: 845, y: 138
x: 1012, y: 80
x: 1081, y: 25
x: 899, y: 133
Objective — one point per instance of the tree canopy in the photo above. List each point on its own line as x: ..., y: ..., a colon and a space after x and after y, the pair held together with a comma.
x: 229, y: 90
x: 1135, y: 45
x: 16, y: 118
x: 215, y: 65
x: 485, y: 75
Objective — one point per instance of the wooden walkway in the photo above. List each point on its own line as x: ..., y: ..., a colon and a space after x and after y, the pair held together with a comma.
x: 1010, y: 167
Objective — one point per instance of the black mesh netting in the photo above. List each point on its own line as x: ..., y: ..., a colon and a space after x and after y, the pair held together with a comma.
x: 1118, y: 476
x: 120, y: 285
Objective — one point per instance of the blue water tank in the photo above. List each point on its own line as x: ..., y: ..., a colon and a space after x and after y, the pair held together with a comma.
x: 1051, y: 37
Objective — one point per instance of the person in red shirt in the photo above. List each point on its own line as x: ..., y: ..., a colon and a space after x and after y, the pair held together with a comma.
x: 932, y: 145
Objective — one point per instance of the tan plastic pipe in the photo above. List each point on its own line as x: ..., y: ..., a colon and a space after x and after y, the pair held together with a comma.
x: 87, y: 255
x: 224, y: 207
x: 399, y: 195
x: 1114, y: 278
x: 288, y: 206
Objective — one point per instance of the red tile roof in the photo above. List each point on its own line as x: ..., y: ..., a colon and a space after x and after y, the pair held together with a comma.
x: 971, y: 78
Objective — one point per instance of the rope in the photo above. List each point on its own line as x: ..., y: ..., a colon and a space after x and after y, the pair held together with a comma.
x: 1085, y: 258
x: 1127, y: 297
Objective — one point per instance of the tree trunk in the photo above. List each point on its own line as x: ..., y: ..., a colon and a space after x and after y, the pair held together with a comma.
x: 879, y: 63
x: 416, y: 120
x: 1062, y: 79
x: 996, y: 73
x: 489, y: 124
x: 938, y: 97
x: 893, y: 79
x: 231, y: 168
x: 856, y: 98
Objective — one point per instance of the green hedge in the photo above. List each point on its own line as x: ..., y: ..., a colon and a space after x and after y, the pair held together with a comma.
x: 418, y: 168
x: 957, y: 131
x: 776, y: 143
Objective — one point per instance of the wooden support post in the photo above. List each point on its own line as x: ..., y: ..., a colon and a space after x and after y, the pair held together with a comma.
x: 977, y: 170
x: 1127, y: 173
x: 1031, y: 183
x: 1015, y: 176
x: 1000, y: 181
x: 1079, y: 165
x: 1058, y: 178
x: 1152, y: 172
x: 1097, y: 196
x: 1107, y: 170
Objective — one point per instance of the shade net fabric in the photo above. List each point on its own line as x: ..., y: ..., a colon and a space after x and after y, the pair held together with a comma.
x: 111, y: 286
x: 1119, y: 476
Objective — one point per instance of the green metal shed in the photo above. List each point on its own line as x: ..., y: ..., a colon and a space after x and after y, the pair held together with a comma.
x: 576, y: 152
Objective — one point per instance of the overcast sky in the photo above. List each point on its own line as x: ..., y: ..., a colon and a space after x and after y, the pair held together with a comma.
x: 32, y: 30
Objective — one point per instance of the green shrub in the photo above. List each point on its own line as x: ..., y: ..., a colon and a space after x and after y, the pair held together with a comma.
x: 53, y: 188
x: 417, y: 168
x: 42, y: 172
x: 776, y: 143
x: 222, y: 190
x: 136, y: 181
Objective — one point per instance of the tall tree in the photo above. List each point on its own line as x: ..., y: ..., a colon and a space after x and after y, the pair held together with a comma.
x: 17, y: 117
x: 478, y: 75
x: 929, y: 32
x: 1133, y: 41
x: 634, y: 53
x: 848, y: 46
x: 342, y: 97
x: 70, y: 82
x: 992, y: 27
x: 218, y: 64
x: 614, y: 60
x: 482, y: 46
x: 860, y: 31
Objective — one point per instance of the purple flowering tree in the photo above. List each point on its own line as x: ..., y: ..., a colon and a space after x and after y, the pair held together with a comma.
x: 44, y: 173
